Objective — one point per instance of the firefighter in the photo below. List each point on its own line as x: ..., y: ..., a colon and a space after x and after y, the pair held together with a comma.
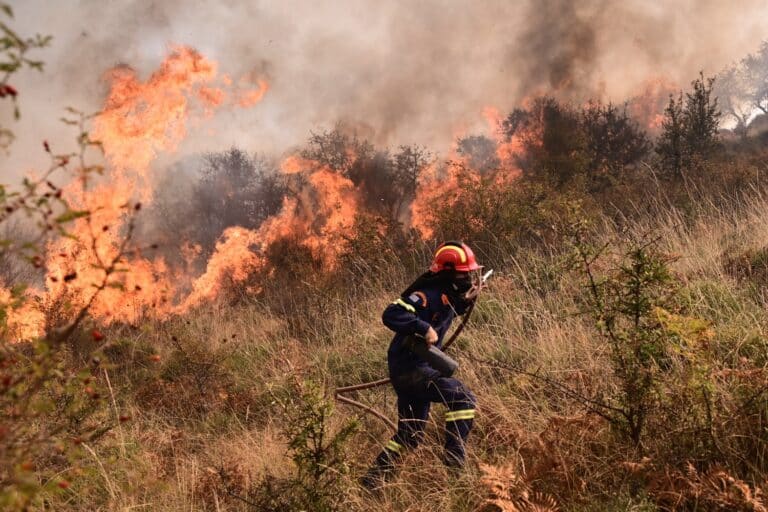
x: 426, y: 309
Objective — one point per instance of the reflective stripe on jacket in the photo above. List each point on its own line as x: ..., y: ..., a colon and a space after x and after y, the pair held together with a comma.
x: 430, y: 306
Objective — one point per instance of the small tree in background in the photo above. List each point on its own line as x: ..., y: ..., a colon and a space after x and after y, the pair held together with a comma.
x: 408, y: 164
x: 690, y: 130
x: 235, y: 189
x: 733, y: 91
x: 590, y: 147
x: 701, y: 118
x: 756, y: 71
x: 552, y: 139
x: 614, y: 142
x: 671, y: 144
x: 336, y: 149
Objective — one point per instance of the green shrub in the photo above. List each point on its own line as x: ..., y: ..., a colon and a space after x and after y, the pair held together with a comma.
x: 624, y: 298
x: 317, y: 452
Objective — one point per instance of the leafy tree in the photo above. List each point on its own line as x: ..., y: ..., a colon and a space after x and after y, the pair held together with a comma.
x: 408, y: 163
x: 374, y: 175
x: 624, y: 298
x: 235, y: 189
x: 613, y: 142
x: 701, y: 118
x: 563, y: 145
x: 318, y: 454
x: 690, y: 129
x: 742, y: 88
x: 388, y: 182
x: 337, y: 150
x: 756, y: 71
x: 551, y: 136
x: 670, y: 146
x: 732, y: 91
x: 228, y: 188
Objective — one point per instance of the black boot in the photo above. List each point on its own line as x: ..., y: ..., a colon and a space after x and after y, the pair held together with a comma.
x: 453, y: 461
x: 383, y: 469
x: 377, y: 475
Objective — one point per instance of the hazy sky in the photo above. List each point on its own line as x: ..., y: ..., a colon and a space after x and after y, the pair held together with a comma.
x: 400, y: 71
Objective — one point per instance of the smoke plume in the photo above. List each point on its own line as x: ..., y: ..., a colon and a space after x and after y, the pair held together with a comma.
x: 398, y: 72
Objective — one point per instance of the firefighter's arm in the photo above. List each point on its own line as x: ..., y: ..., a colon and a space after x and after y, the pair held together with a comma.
x: 401, y: 316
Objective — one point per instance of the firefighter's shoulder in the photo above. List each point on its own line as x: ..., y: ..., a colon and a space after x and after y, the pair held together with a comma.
x: 419, y: 298
x: 415, y: 301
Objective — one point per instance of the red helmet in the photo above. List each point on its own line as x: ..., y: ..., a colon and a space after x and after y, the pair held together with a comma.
x: 454, y: 256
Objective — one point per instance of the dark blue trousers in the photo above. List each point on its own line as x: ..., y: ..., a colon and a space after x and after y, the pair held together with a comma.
x: 415, y: 394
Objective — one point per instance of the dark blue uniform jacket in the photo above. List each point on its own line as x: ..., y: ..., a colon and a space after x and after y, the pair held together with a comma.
x: 432, y: 305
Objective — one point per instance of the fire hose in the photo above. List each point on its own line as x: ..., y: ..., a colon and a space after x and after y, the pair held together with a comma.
x: 423, y: 353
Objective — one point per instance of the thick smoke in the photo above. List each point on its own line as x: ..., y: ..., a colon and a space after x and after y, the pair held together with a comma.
x: 565, y: 43
x: 398, y: 71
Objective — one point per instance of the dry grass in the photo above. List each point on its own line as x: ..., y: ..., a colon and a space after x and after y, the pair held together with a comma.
x: 206, y: 409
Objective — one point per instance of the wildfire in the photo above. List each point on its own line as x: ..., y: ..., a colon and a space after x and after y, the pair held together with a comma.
x: 435, y: 183
x: 320, y: 213
x: 647, y: 106
x: 232, y: 262
x: 140, y: 120
x: 506, y: 150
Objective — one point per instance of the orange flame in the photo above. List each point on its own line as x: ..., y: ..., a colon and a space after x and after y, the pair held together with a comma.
x: 252, y: 97
x: 648, y: 105
x: 320, y: 214
x: 506, y: 150
x: 438, y: 184
x: 140, y: 119
x: 233, y: 261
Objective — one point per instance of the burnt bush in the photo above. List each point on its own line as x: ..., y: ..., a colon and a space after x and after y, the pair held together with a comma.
x: 230, y: 188
x: 594, y: 147
x: 387, y: 180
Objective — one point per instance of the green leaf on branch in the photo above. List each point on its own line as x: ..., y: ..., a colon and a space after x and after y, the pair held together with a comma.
x: 71, y: 215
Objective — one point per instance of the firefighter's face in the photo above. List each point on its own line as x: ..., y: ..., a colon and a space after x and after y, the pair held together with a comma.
x: 462, y: 282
